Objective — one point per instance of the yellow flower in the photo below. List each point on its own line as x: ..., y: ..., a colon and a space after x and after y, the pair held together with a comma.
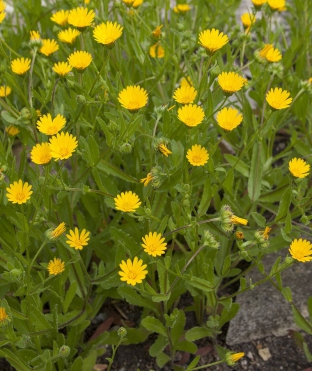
x: 12, y: 130
x: 68, y: 36
x: 56, y: 266
x: 299, y: 168
x: 50, y: 127
x: 137, y: 3
x: 18, y: 192
x: 258, y: 3
x: 4, y: 317
x: 132, y: 272
x: 156, y: 51
x: 2, y: 16
x: 61, y: 68
x: 80, y: 60
x: 164, y: 150
x: 191, y: 115
x: 107, y: 33
x: 133, y: 98
x: 77, y: 240
x: 212, y: 40
x: 34, y: 36
x: 62, y: 146
x: 2, y: 6
x: 237, y: 220
x: 185, y: 94
x: 154, y: 244
x: 157, y: 32
x: 146, y: 180
x: 40, y: 154
x: 229, y: 118
x: 54, y: 234
x: 231, y: 358
x: 20, y: 65
x: 270, y: 54
x: 181, y: 8
x: 186, y: 81
x: 248, y: 20
x: 86, y: 2
x: 60, y: 17
x: 128, y: 2
x: 230, y: 82
x: 38, y: 113
x: 276, y: 4
x: 197, y: 155
x: 278, y: 98
x: 48, y: 47
x: 239, y: 235
x: 81, y: 17
x: 5, y: 91
x: 127, y: 202
x: 301, y: 250
x: 266, y: 232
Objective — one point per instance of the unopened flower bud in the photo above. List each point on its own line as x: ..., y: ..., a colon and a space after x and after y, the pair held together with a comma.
x: 231, y: 358
x: 125, y: 148
x: 210, y: 241
x: 64, y: 351
x: 16, y: 274
x: 81, y: 99
x: 122, y: 332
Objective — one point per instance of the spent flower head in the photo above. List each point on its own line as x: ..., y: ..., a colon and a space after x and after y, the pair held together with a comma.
x: 299, y: 168
x: 53, y: 234
x: 132, y: 272
x: 19, y: 192
x: 228, y: 219
x: 147, y: 180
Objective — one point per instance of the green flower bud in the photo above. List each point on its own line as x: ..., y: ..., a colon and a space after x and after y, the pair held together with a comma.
x: 125, y: 148
x: 16, y: 274
x: 64, y: 351
x: 122, y: 332
x: 81, y: 99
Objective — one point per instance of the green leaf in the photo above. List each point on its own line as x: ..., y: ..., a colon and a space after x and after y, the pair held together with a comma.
x: 154, y: 325
x: 122, y: 239
x: 134, y: 298
x: 286, y: 292
x: 288, y: 224
x: 206, y: 198
x: 228, y: 182
x: 193, y: 364
x: 159, y: 345
x: 89, y: 361
x: 284, y: 206
x: 310, y: 307
x: 237, y: 164
x: 301, y: 321
x: 38, y: 319
x: 109, y: 168
x: 198, y: 283
x: 186, y: 346
x: 162, y: 359
x: 259, y: 219
x: 178, y: 327
x: 14, y: 360
x: 160, y: 297
x: 255, y: 175
x: 197, y: 333
x: 227, y: 315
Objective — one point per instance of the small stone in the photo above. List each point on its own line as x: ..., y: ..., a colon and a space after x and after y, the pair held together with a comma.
x: 250, y: 355
x: 264, y: 353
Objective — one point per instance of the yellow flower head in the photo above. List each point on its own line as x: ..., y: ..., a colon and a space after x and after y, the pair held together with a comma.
x: 81, y: 17
x: 157, y: 32
x: 133, y: 98
x: 132, y: 272
x: 156, y: 51
x: 258, y: 3
x: 185, y: 94
x: 76, y: 240
x: 86, y: 2
x: 237, y: 220
x: 129, y: 2
x: 20, y: 65
x: 154, y: 244
x: 50, y: 127
x: 137, y: 3
x: 41, y: 154
x: 107, y: 33
x: 80, y: 60
x: 230, y: 82
x: 146, y: 180
x: 197, y: 155
x: 276, y: 4
x: 56, y: 266
x: 54, y: 234
x: 164, y: 150
x: 19, y: 193
x: 62, y: 146
x: 12, y: 130
x: 299, y: 168
x: 38, y: 113
x: 4, y: 317
x: 48, y: 47
x: 278, y: 98
x: 181, y: 8
x: 2, y: 6
x: 60, y: 17
x: 270, y: 54
x: 62, y: 68
x: 127, y: 202
x: 186, y: 81
x: 34, y: 36
x: 229, y: 118
x: 191, y: 115
x: 5, y: 91
x: 248, y: 19
x: 231, y: 358
x: 212, y: 40
x: 68, y: 36
x: 301, y: 250
x: 2, y: 16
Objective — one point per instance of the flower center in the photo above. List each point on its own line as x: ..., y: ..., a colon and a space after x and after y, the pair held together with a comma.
x: 152, y: 247
x: 132, y: 275
x: 44, y: 159
x: 52, y: 130
x: 64, y: 152
x: 196, y: 159
x: 127, y: 206
x: 20, y: 196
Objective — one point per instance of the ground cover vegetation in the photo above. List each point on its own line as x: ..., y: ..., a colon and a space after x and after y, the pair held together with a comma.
x: 146, y: 151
